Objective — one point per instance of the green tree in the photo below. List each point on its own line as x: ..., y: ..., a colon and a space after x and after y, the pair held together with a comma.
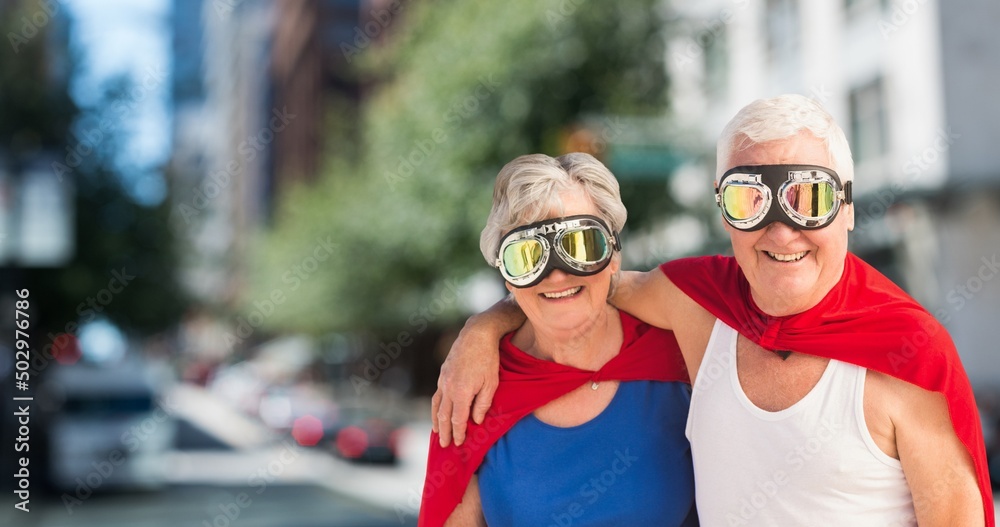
x: 464, y: 87
x: 113, y: 233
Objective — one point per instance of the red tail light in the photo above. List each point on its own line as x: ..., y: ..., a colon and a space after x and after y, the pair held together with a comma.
x: 352, y: 442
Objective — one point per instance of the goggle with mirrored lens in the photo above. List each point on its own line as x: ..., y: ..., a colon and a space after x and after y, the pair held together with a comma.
x: 580, y: 245
x: 809, y: 196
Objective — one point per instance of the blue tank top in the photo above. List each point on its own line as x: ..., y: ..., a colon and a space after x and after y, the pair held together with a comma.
x: 630, y: 465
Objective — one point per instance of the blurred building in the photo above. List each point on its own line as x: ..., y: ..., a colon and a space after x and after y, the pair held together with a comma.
x: 313, y: 78
x: 219, y: 166
x: 906, y: 81
x: 36, y: 203
x: 262, y: 92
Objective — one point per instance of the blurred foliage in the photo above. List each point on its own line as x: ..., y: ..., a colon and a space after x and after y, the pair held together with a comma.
x: 34, y: 114
x: 461, y: 88
x: 114, y: 234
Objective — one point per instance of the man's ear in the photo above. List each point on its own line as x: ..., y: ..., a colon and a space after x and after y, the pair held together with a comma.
x: 850, y: 217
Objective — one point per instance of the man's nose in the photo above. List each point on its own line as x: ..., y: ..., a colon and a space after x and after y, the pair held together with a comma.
x: 780, y: 233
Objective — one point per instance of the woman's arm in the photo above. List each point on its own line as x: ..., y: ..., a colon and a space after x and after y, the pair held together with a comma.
x: 470, y: 511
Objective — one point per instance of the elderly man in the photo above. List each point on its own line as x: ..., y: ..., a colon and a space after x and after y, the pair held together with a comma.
x: 823, y: 394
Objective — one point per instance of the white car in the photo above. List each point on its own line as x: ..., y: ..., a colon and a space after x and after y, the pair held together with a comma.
x: 109, y: 429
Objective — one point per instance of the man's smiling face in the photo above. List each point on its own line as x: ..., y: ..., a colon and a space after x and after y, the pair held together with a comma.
x: 790, y: 270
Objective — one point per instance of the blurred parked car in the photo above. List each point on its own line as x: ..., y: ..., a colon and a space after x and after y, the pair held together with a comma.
x: 240, y: 385
x: 281, y: 406
x: 366, y: 433
x: 108, y: 429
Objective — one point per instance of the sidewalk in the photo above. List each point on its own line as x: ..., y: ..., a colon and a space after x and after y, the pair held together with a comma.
x: 397, y: 488
x: 260, y: 457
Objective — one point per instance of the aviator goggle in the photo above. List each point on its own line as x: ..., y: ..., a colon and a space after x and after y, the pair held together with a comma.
x: 579, y: 245
x: 809, y: 196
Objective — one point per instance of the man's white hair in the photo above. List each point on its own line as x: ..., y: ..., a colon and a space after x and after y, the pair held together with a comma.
x: 782, y: 117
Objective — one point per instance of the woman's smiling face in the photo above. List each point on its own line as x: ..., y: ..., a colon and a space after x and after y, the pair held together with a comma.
x: 562, y: 301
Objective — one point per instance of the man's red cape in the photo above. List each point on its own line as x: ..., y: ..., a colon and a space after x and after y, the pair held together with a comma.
x: 527, y: 383
x: 864, y: 320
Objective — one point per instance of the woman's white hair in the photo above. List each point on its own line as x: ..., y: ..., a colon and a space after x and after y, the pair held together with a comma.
x: 528, y: 188
x: 782, y: 117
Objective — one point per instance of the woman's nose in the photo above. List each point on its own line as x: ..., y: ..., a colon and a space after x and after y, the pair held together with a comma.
x: 557, y: 275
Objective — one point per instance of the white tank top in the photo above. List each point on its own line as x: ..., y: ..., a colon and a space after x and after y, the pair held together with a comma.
x: 813, y: 463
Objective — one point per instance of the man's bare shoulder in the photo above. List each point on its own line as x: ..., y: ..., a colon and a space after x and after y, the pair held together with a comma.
x: 895, y: 395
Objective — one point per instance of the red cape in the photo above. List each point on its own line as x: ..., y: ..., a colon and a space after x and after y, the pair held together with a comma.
x: 864, y: 320
x: 527, y: 383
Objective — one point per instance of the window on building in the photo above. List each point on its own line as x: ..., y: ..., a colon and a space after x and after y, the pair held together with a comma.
x: 782, y: 24
x: 868, y: 121
x: 716, y: 63
x: 854, y: 7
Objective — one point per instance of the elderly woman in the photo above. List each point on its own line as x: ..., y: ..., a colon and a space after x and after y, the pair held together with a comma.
x: 587, y: 426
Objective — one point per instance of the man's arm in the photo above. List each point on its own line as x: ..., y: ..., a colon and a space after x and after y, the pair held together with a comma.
x: 472, y: 370
x: 472, y: 366
x: 646, y: 296
x: 938, y: 468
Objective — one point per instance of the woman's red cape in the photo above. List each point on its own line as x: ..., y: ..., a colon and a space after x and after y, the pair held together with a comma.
x: 527, y: 383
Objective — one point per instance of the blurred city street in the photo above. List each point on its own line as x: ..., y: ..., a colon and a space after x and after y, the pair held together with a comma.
x: 240, y: 237
x: 225, y: 467
x: 287, y: 505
